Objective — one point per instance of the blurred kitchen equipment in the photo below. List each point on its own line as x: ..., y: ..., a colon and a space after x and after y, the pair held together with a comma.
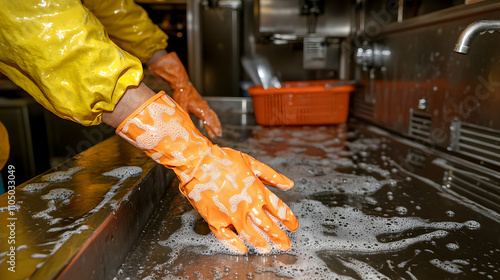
x: 260, y: 71
x: 340, y: 83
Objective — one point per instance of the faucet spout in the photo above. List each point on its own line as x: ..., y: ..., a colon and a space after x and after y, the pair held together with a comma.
x: 478, y: 27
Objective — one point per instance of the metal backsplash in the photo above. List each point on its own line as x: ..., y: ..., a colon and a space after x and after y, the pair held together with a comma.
x: 285, y: 17
x: 409, y: 69
x: 299, y: 45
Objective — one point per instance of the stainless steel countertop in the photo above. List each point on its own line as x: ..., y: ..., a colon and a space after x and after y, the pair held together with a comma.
x: 370, y: 204
x: 79, y: 220
x: 370, y: 207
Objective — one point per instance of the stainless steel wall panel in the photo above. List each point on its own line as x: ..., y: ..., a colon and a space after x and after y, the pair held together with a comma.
x: 220, y: 51
x: 422, y: 65
x: 284, y: 17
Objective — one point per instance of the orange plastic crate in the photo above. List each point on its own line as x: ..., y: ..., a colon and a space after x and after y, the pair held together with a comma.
x: 301, y: 103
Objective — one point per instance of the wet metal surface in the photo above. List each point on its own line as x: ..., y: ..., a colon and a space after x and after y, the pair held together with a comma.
x: 370, y: 207
x: 79, y: 220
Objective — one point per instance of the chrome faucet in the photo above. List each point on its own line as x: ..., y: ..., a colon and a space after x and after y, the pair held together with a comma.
x: 478, y: 27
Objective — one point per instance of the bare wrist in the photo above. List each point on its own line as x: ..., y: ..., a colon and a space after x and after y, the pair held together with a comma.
x: 156, y: 55
x: 132, y: 99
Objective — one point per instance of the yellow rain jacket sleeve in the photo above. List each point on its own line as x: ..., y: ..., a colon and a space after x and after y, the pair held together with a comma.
x: 129, y: 26
x: 4, y: 146
x: 60, y: 53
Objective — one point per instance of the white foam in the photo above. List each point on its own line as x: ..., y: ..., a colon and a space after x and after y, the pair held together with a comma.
x: 54, y: 221
x: 371, y: 200
x: 40, y: 265
x: 232, y: 179
x: 335, y: 182
x: 374, y: 168
x: 35, y: 187
x: 401, y: 210
x: 152, y: 135
x: 64, y: 237
x: 58, y: 194
x: 72, y: 225
x: 122, y: 173
x: 365, y: 271
x: 452, y: 246
x: 156, y: 156
x: 274, y: 199
x: 447, y: 266
x: 39, y: 256
x: 255, y: 220
x: 282, y: 212
x: 219, y: 205
x: 238, y: 198
x: 178, y: 156
x: 472, y: 225
x: 337, y: 229
x: 61, y: 176
x: 248, y: 181
x: 195, y: 194
x: 186, y: 237
x: 45, y: 213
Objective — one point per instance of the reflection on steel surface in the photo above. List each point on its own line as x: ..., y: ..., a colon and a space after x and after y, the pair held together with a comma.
x: 364, y: 212
x: 79, y: 219
x: 369, y: 204
x: 422, y: 65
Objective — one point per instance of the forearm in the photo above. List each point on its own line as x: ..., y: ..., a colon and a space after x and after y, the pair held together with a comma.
x: 156, y: 55
x: 131, y: 100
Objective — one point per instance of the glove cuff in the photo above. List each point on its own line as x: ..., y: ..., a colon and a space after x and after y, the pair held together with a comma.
x: 170, y: 68
x: 165, y: 132
x: 139, y: 110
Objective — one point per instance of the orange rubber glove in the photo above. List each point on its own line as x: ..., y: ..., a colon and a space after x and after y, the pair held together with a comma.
x: 169, y: 68
x: 224, y: 185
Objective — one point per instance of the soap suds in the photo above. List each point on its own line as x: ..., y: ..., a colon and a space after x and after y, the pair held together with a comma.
x: 61, y: 176
x: 365, y: 271
x: 35, y: 187
x: 45, y: 213
x: 238, y: 198
x: 58, y: 194
x: 337, y: 229
x: 352, y: 220
x: 447, y: 266
x: 64, y: 237
x: 121, y: 173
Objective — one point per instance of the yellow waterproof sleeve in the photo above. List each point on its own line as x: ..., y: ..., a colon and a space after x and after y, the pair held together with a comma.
x: 4, y: 146
x: 129, y: 26
x: 60, y: 53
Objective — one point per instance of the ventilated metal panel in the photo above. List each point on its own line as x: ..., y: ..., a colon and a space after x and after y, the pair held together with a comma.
x: 416, y: 158
x: 420, y: 126
x: 482, y: 189
x: 475, y: 141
